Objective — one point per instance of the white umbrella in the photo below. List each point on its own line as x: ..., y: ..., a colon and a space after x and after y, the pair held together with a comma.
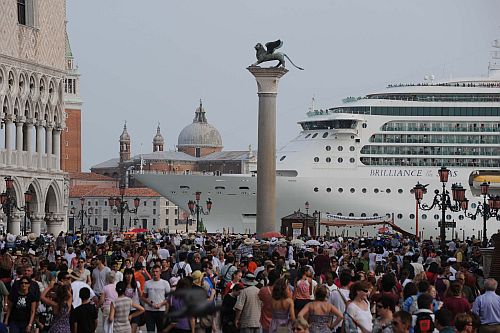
x: 313, y: 242
x: 297, y: 242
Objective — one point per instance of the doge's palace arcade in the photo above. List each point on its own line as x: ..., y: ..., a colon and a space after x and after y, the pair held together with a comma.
x: 32, y: 71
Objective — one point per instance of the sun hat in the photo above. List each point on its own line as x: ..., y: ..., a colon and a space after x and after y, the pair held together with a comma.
x: 273, y: 241
x: 249, y: 280
x: 32, y: 237
x: 74, y: 275
x: 197, y: 275
x: 247, y: 241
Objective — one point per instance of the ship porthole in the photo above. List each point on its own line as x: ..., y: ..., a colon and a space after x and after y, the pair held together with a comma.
x: 328, y: 148
x: 316, y: 159
x: 316, y: 189
x: 328, y: 189
x: 363, y: 190
x: 328, y: 160
x: 341, y: 190
x: 412, y: 216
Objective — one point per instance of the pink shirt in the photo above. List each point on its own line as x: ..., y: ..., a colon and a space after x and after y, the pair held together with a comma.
x: 110, y: 294
x: 266, y: 314
x: 302, y: 291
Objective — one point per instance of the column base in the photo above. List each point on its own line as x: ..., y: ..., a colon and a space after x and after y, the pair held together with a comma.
x: 14, y: 227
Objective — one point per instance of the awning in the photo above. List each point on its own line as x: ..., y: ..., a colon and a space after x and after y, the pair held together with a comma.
x: 347, y: 221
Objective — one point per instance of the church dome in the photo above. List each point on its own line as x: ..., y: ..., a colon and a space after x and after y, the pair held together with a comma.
x: 200, y: 133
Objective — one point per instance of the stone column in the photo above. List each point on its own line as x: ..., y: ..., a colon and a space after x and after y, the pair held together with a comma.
x: 14, y: 227
x: 36, y: 223
x: 39, y: 141
x: 267, y: 90
x: 8, y: 132
x: 56, y: 146
x: 55, y: 224
x: 19, y: 133
x: 29, y: 135
x: 48, y: 139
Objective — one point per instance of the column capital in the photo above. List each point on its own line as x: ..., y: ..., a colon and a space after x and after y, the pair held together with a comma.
x: 267, y: 78
x: 9, y: 118
x: 37, y: 217
x: 30, y: 122
x: 20, y: 119
x: 40, y: 123
x: 49, y: 125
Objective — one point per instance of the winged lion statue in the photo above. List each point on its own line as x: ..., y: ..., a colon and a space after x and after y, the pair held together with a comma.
x: 268, y: 53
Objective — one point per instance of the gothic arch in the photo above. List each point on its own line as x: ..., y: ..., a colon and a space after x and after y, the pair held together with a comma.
x: 28, y: 109
x: 53, y: 200
x: 35, y: 188
x: 17, y: 110
x: 6, y: 106
x: 3, y: 79
x: 37, y: 115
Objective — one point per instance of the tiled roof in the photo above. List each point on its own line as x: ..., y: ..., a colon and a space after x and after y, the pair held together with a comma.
x: 228, y: 155
x: 106, y: 192
x: 88, y: 176
x: 112, y: 163
x: 166, y: 155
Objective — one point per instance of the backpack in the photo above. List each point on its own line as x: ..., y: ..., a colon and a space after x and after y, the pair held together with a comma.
x: 414, y: 305
x: 424, y: 323
x: 181, y: 272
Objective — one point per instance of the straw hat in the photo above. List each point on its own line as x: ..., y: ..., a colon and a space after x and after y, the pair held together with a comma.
x: 197, y: 275
x: 32, y: 237
x: 247, y: 241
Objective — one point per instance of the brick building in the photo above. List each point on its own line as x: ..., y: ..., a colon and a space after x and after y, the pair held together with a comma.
x: 71, y: 137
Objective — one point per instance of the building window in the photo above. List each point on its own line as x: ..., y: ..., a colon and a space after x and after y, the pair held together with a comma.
x: 97, y: 203
x: 71, y: 203
x: 175, y: 212
x: 176, y: 222
x: 154, y: 221
x: 154, y: 211
x: 144, y: 203
x: 154, y: 203
x: 166, y: 221
x: 114, y: 221
x: 166, y: 211
x: 95, y: 221
x: 25, y: 12
x: 197, y: 152
x: 105, y: 202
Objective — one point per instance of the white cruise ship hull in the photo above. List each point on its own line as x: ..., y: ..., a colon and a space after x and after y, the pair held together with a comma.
x: 353, y: 192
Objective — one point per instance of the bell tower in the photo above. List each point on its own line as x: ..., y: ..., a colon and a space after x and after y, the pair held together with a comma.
x: 158, y: 141
x: 124, y: 145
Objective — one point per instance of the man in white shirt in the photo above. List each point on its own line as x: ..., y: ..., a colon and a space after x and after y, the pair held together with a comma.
x: 69, y: 255
x: 76, y: 285
x: 340, y: 297
x: 155, y: 299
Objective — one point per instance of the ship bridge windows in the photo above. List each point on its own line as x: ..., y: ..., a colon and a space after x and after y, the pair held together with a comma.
x: 282, y: 158
x: 315, y: 135
x: 325, y: 135
x: 329, y: 124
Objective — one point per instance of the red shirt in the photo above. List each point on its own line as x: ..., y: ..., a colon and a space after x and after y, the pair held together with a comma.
x: 456, y: 305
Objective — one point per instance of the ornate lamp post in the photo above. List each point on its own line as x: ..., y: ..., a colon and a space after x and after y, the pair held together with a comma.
x: 122, y: 206
x: 81, y: 214
x: 9, y: 202
x: 488, y: 208
x: 194, y: 207
x: 442, y: 200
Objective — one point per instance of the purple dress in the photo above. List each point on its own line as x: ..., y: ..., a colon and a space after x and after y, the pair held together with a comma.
x: 280, y: 321
x: 60, y: 323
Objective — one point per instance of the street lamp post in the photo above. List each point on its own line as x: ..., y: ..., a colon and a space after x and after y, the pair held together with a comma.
x: 194, y: 207
x: 486, y: 209
x: 122, y: 205
x: 442, y: 200
x: 81, y: 214
x: 9, y: 202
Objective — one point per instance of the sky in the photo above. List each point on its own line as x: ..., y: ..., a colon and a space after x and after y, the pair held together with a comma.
x: 150, y: 62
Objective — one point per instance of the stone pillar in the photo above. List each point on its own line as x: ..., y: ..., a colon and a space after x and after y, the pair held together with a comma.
x: 48, y: 139
x: 39, y: 137
x: 19, y: 133
x: 8, y: 132
x: 29, y: 136
x: 36, y: 223
x: 14, y: 227
x: 267, y: 90
x: 55, y: 224
x: 56, y: 146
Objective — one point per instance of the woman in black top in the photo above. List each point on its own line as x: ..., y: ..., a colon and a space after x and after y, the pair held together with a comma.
x: 227, y: 312
x: 21, y: 308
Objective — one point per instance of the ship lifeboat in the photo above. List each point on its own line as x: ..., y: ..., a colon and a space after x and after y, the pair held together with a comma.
x: 493, y: 180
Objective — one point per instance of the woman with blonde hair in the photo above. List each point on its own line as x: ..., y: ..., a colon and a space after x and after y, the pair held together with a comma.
x: 283, y: 310
x: 301, y: 325
x: 319, y: 312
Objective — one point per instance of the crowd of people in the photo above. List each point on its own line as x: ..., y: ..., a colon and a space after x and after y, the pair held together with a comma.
x: 382, y: 284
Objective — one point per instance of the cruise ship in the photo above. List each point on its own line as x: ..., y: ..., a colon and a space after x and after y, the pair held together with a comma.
x: 362, y: 158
